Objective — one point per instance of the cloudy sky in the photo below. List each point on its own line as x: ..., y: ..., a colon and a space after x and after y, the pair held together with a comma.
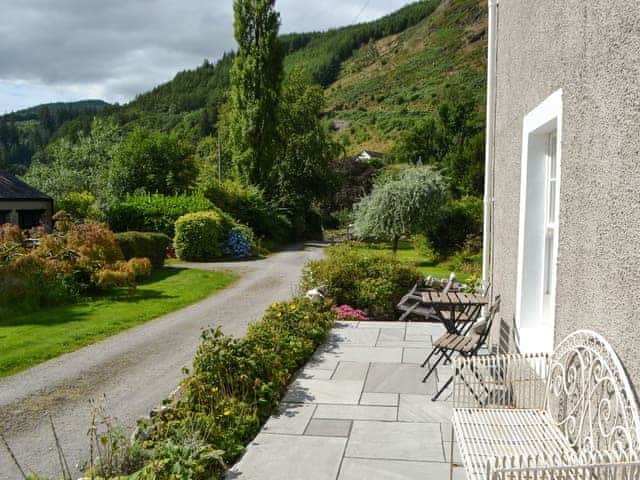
x: 66, y: 50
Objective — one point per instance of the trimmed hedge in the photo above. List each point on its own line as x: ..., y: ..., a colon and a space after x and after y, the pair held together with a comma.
x: 202, y: 236
x: 144, y: 245
x: 154, y: 213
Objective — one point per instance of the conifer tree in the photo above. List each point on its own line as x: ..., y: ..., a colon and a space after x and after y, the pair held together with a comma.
x: 256, y: 79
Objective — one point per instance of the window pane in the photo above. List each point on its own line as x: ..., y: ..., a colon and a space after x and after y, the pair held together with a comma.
x: 548, y: 260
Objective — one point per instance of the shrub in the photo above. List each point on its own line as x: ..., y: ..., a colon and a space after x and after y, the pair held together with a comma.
x: 249, y: 207
x: 202, y: 236
x: 79, y: 205
x: 348, y: 313
x: 154, y: 213
x: 374, y: 283
x: 235, y: 386
x: 460, y: 220
x: 65, y: 264
x: 144, y: 245
x: 240, y: 242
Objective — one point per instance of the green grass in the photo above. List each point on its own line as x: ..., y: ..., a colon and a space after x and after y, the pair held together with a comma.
x: 408, y: 253
x: 31, y: 338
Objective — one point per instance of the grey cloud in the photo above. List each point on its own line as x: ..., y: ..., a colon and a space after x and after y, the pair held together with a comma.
x: 119, y: 48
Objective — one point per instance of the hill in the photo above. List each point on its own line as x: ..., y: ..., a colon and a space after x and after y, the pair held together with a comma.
x: 25, y: 132
x: 386, y: 85
x: 379, y: 77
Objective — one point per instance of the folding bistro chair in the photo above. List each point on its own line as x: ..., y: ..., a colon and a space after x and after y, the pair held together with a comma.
x: 464, y: 345
x: 413, y: 304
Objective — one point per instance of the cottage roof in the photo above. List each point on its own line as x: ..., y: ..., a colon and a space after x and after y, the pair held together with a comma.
x: 12, y: 188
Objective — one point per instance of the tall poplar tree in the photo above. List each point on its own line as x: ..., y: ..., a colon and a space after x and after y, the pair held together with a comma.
x: 256, y: 80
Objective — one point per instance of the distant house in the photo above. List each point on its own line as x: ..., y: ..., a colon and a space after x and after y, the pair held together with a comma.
x: 368, y: 155
x: 23, y: 205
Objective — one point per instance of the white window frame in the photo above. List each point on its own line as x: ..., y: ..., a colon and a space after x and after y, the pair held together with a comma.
x: 539, y: 335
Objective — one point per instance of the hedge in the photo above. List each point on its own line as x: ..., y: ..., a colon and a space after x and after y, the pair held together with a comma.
x: 154, y: 213
x: 144, y: 245
x: 202, y: 236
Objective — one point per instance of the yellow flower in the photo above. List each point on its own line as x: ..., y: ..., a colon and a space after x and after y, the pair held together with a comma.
x: 292, y: 307
x: 227, y: 412
x: 274, y: 305
x: 306, y: 317
x: 279, y: 314
x: 214, y: 389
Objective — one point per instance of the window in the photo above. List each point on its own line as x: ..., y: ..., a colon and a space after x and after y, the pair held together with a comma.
x: 539, y: 225
x: 4, y: 216
x: 30, y: 218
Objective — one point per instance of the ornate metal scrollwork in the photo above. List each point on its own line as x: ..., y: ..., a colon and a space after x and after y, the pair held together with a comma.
x: 590, y: 399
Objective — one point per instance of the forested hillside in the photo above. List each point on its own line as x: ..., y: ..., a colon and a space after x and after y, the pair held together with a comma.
x: 24, y: 132
x: 379, y: 77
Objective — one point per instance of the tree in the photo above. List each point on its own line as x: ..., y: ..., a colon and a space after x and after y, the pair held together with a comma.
x: 302, y: 175
x: 154, y: 162
x: 402, y: 206
x: 81, y: 166
x: 256, y: 78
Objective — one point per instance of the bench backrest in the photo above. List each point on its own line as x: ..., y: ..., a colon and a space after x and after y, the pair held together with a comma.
x: 589, y: 396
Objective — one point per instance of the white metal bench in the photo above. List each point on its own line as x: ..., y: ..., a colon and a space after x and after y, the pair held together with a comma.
x: 567, y: 415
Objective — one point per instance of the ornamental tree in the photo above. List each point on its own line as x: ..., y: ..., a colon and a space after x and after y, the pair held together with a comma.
x: 404, y: 205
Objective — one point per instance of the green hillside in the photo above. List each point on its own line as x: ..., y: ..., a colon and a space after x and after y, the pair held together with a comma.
x: 387, y: 85
x: 25, y: 132
x: 379, y: 77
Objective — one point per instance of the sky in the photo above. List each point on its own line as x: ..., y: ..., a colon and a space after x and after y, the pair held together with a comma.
x: 67, y: 50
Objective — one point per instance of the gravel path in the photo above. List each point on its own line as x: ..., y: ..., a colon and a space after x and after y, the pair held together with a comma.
x: 135, y: 370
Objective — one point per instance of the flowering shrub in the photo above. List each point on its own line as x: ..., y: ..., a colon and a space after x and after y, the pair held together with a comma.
x: 64, y: 264
x: 373, y: 283
x: 240, y: 242
x: 235, y: 386
x: 348, y: 313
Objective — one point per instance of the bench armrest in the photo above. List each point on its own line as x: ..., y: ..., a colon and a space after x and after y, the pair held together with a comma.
x: 544, y: 468
x: 500, y: 381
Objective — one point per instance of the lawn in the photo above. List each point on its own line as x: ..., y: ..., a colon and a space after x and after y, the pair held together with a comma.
x: 31, y: 338
x: 407, y: 252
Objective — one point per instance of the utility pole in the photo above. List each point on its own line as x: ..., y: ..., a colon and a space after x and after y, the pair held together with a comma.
x: 219, y: 158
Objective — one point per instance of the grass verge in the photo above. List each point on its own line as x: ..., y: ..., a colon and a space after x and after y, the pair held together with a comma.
x: 30, y: 338
x: 406, y: 252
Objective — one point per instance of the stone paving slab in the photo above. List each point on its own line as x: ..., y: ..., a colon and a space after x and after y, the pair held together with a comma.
x: 398, y: 378
x: 359, y: 410
x: 380, y: 399
x: 395, y: 440
x: 276, y: 457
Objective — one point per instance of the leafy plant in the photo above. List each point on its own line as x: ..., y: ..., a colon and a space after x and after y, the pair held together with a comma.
x: 373, y: 283
x: 202, y: 236
x: 401, y: 207
x: 235, y: 386
x: 154, y: 213
x: 144, y: 244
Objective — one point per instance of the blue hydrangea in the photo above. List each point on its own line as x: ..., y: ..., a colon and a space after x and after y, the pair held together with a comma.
x: 238, y: 245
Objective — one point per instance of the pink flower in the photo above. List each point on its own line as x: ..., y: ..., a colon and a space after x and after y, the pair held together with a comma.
x: 348, y: 313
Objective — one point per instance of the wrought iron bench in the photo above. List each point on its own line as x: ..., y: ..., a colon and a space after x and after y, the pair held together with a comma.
x: 567, y: 415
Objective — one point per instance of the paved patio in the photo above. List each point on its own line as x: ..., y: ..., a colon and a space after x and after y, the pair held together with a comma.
x: 359, y: 410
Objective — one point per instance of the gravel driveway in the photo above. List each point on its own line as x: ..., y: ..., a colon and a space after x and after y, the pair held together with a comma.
x: 135, y: 370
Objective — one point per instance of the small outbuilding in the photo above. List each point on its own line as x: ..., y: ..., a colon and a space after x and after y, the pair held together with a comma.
x: 22, y: 204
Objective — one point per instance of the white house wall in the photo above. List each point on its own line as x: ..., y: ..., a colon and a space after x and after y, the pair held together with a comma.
x: 591, y: 51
